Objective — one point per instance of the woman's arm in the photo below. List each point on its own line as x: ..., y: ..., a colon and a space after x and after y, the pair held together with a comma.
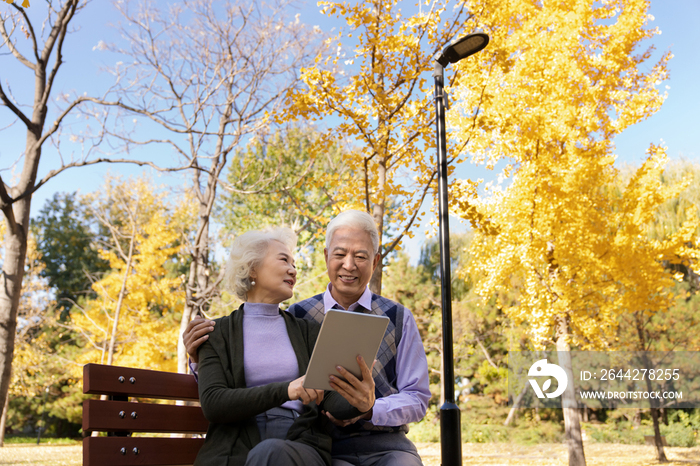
x: 222, y: 404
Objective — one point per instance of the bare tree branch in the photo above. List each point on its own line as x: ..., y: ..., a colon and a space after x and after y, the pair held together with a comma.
x: 409, y: 224
x: 58, y: 33
x: 8, y: 103
x: 6, y: 206
x: 6, y: 37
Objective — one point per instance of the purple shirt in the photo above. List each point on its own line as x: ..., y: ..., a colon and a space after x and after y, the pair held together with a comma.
x: 411, y: 402
x: 268, y: 355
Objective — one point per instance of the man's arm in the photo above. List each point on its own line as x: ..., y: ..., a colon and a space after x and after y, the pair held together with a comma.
x: 411, y: 403
x: 196, y: 333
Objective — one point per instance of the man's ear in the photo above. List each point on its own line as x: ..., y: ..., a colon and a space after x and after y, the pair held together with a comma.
x: 325, y: 255
x: 377, y: 259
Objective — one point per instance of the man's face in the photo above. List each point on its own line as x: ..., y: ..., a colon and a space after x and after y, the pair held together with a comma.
x: 350, y: 261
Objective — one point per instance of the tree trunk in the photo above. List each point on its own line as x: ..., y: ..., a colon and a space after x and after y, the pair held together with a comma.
x: 198, y: 293
x: 3, y: 421
x: 655, y: 412
x: 516, y: 404
x: 13, y: 273
x: 17, y: 202
x: 660, y: 454
x: 378, y: 211
x: 572, y: 415
x: 198, y: 279
x: 658, y: 441
x: 122, y: 292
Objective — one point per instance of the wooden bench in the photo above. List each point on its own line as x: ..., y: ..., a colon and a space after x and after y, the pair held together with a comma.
x: 120, y: 417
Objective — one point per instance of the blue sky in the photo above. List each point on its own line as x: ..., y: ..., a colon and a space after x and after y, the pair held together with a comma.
x: 677, y: 123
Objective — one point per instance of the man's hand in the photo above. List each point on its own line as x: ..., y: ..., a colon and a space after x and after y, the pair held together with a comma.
x: 347, y: 422
x: 296, y: 391
x: 359, y: 393
x: 196, y: 333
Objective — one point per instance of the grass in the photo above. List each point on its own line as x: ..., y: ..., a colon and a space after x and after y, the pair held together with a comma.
x: 474, y: 454
x: 41, y: 455
x: 24, y: 440
x: 482, y: 422
x: 597, y: 454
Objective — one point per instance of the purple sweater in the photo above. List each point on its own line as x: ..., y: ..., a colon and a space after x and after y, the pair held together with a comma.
x: 268, y: 355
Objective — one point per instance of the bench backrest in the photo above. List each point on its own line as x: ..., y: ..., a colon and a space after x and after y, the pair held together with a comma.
x: 120, y: 417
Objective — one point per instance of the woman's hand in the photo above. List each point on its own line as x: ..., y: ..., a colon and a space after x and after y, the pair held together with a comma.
x: 297, y: 391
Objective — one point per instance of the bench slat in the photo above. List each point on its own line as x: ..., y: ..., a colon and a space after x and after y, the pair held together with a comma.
x: 105, y: 451
x: 104, y: 416
x: 115, y: 380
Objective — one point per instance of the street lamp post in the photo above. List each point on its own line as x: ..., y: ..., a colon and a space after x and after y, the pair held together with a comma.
x: 450, y: 435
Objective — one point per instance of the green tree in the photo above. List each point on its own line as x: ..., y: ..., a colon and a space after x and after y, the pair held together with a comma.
x: 303, y: 188
x: 67, y: 243
x: 302, y: 194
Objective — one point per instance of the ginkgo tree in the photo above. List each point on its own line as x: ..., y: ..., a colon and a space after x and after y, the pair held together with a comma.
x: 134, y: 320
x: 659, y: 318
x: 557, y: 83
x: 377, y: 88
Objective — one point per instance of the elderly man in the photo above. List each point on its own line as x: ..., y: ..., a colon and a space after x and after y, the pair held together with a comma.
x: 400, y: 372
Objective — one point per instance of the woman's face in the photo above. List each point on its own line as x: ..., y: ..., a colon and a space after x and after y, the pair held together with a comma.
x: 274, y: 277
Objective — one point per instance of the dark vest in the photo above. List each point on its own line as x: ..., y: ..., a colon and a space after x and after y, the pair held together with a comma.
x: 384, y: 371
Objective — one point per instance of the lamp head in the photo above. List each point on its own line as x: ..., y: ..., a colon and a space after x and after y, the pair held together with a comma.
x: 463, y: 47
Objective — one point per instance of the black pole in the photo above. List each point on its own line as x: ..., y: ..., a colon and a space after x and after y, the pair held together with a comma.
x: 450, y: 434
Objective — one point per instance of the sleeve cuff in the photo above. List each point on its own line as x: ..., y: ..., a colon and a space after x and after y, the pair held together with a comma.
x: 193, y: 369
x: 379, y: 416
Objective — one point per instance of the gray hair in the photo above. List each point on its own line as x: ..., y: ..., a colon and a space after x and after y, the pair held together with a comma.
x: 354, y: 219
x: 247, y: 252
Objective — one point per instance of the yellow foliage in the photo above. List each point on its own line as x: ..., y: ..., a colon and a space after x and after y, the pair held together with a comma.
x: 558, y: 82
x: 148, y: 325
x: 556, y: 77
x: 580, y: 249
x: 375, y: 83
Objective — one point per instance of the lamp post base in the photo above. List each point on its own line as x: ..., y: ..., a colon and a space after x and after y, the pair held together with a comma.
x: 450, y: 435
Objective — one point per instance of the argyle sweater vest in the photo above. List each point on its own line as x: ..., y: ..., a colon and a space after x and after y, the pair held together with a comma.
x: 384, y: 371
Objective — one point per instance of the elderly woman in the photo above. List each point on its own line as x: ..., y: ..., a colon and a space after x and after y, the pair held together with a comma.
x: 249, y: 368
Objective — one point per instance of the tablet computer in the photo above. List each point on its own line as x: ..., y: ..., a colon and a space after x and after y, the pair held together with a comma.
x: 344, y: 335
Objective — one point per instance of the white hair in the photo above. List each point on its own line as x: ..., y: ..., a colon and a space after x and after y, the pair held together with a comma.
x: 354, y: 219
x: 247, y: 252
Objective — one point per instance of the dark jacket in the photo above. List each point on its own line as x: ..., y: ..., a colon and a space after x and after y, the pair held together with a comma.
x: 231, y: 408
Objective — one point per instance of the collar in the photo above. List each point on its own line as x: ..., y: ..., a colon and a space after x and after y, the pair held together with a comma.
x: 261, y: 309
x: 328, y: 301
